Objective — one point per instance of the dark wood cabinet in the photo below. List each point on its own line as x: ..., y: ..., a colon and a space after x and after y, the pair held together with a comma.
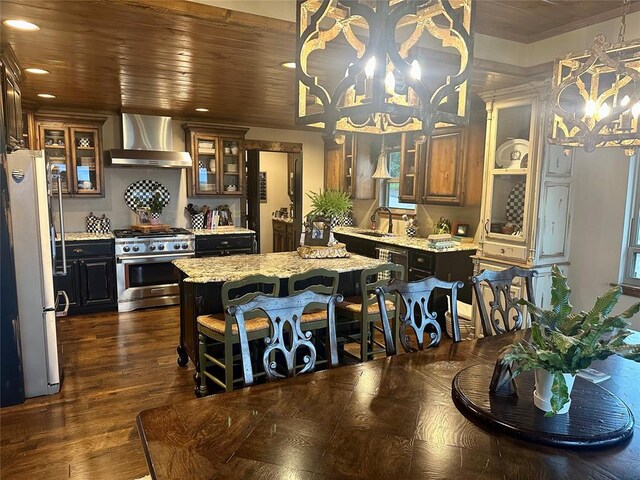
x: 72, y: 145
x: 223, y: 245
x: 348, y: 166
x: 11, y: 77
x: 447, y: 266
x: 445, y: 169
x: 90, y: 282
x: 218, y: 160
x: 283, y: 236
x: 359, y: 246
x: 444, y: 158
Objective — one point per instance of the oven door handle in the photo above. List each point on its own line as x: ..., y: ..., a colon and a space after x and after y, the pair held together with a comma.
x: 158, y: 258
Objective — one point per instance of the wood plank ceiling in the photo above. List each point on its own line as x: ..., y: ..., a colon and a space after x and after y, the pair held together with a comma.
x: 172, y: 56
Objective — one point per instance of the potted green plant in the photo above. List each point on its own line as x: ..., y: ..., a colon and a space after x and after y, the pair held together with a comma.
x: 563, y: 342
x: 331, y: 204
x: 156, y: 205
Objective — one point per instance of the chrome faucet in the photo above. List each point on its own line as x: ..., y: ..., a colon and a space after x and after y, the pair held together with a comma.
x: 383, y: 209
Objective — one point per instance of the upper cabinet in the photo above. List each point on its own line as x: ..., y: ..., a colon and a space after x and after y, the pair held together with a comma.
x: 348, y: 166
x: 11, y: 98
x: 73, y: 148
x: 444, y: 169
x: 218, y: 160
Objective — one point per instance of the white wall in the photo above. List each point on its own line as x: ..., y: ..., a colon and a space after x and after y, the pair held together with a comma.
x: 275, y: 165
x: 601, y: 180
x: 118, y: 178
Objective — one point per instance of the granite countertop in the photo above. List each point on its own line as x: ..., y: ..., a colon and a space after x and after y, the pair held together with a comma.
x: 282, y: 265
x: 85, y: 236
x: 283, y: 220
x: 416, y: 243
x: 221, y: 230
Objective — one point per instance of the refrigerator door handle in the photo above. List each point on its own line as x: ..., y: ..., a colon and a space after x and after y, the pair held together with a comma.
x: 61, y: 214
x: 64, y: 312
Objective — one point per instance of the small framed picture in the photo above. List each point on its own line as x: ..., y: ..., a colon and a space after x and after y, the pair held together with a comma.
x: 462, y: 229
x: 263, y: 186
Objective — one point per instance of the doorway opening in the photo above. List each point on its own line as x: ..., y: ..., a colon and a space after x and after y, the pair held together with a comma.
x: 274, y: 186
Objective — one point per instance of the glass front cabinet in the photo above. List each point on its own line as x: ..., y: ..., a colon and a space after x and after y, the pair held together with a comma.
x: 218, y: 160
x: 73, y: 148
x: 527, y: 198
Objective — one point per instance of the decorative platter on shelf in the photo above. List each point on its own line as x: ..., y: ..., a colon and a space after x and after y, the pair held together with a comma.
x: 143, y: 190
x: 513, y: 154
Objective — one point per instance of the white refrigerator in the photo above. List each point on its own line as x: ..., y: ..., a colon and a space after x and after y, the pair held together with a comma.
x: 33, y: 233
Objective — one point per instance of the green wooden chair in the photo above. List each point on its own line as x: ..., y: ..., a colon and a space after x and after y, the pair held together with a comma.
x: 220, y: 330
x: 365, y: 311
x: 318, y: 280
x: 288, y: 340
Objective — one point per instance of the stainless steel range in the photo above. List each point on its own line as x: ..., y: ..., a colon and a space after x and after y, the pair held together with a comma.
x: 145, y: 275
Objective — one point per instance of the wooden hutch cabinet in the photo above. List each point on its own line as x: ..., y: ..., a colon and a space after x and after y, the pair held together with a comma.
x: 73, y: 146
x: 218, y: 159
x: 446, y: 168
x: 528, y: 194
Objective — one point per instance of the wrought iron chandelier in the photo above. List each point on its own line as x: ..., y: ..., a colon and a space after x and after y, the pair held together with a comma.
x: 360, y: 64
x: 596, y: 95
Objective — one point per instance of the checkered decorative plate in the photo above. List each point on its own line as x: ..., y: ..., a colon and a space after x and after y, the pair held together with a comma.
x: 144, y: 190
x: 515, y: 204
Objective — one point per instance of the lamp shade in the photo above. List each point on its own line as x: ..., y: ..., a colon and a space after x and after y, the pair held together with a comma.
x: 382, y: 172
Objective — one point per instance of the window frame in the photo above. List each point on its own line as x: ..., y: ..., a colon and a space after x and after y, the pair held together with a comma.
x: 384, y: 198
x: 632, y: 246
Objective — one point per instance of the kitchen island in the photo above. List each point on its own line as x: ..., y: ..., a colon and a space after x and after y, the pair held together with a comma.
x: 201, y: 282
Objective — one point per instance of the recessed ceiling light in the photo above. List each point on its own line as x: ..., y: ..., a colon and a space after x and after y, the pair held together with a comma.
x: 290, y: 65
x: 46, y: 95
x: 202, y: 109
x: 37, y: 71
x: 22, y: 25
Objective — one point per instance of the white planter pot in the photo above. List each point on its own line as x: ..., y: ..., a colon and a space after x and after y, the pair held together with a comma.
x: 542, y: 393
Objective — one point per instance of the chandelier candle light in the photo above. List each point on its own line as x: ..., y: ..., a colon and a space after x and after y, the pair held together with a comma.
x: 596, y: 95
x: 384, y: 82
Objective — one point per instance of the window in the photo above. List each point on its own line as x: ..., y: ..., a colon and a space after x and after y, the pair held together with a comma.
x: 393, y: 185
x: 632, y: 257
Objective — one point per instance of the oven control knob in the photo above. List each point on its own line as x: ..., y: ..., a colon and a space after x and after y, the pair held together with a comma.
x: 136, y: 248
x: 125, y: 249
x: 176, y: 246
x: 152, y: 247
x: 160, y: 247
x: 185, y: 246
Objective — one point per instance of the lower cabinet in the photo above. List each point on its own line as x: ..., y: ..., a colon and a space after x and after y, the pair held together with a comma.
x: 223, y: 245
x: 359, y: 246
x: 447, y: 266
x: 90, y: 282
x: 283, y: 236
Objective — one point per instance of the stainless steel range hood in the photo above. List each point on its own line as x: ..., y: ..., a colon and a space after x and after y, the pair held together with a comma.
x: 147, y: 141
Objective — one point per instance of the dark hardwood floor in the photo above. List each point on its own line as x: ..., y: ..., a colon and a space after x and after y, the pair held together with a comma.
x: 115, y: 365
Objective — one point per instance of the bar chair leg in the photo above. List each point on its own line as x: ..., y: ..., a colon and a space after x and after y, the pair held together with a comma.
x: 201, y: 388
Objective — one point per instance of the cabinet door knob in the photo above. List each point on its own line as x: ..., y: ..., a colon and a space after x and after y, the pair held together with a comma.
x: 78, y: 250
x: 502, y: 250
x: 420, y: 260
x: 485, y: 226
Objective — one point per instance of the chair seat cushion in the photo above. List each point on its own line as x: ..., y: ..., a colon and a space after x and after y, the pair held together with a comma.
x: 354, y: 304
x: 314, y: 316
x: 217, y: 323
